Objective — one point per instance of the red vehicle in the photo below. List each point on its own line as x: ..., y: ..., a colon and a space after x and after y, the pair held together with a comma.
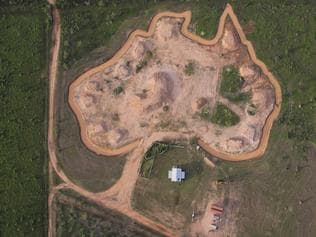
x: 217, y: 208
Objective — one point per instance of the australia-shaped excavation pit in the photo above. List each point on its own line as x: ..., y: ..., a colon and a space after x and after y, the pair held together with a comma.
x: 170, y: 80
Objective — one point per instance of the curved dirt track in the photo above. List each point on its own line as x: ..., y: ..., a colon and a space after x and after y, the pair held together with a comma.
x: 106, y: 199
x: 118, y: 197
x: 228, y: 12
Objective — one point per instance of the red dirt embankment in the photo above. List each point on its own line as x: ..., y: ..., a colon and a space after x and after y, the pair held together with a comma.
x: 103, y: 200
x: 233, y: 156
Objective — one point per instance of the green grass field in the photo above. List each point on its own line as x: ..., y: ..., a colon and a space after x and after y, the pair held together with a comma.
x: 94, y: 173
x: 24, y: 46
x: 174, y: 199
x: 283, y: 36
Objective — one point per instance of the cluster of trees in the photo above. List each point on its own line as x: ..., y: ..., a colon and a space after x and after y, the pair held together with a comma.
x: 83, y: 218
x: 23, y: 51
x: 223, y: 116
x: 86, y: 27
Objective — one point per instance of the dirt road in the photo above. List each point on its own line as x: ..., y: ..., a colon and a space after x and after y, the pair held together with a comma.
x: 118, y: 197
x: 106, y: 199
x: 51, y: 219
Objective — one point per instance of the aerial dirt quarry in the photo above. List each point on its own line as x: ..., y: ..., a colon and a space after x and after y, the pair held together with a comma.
x: 161, y: 80
x: 166, y: 84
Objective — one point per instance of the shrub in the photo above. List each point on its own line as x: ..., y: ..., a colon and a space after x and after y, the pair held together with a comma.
x: 223, y: 116
x: 231, y: 84
x: 206, y: 114
x: 189, y: 69
x: 231, y: 81
x: 144, y: 62
x: 118, y: 90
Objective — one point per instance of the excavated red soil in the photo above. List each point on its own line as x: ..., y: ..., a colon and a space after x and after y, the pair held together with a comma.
x: 159, y: 93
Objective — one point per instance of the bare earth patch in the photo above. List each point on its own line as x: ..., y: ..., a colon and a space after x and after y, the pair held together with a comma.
x: 162, y: 79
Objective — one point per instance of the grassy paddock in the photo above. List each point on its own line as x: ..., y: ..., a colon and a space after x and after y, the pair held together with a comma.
x: 174, y: 199
x: 272, y: 188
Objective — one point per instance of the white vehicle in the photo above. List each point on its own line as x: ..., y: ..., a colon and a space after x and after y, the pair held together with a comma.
x: 214, y: 227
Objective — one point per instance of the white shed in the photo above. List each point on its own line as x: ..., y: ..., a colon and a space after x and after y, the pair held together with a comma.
x: 176, y: 174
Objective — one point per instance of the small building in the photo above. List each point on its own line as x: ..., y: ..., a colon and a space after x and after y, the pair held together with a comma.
x: 176, y: 174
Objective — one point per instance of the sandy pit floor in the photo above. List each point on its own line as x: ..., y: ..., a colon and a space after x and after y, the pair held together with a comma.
x: 147, y: 88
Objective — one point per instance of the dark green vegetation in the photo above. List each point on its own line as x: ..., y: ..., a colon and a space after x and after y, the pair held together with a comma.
x: 118, y: 90
x: 206, y: 113
x: 231, y: 84
x: 86, y: 28
x: 158, y: 148
x: 231, y: 81
x: 189, y: 69
x: 284, y: 39
x: 28, y: 4
x: 205, y: 16
x: 23, y: 79
x: 173, y: 199
x: 144, y: 61
x: 221, y: 115
x: 77, y: 216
